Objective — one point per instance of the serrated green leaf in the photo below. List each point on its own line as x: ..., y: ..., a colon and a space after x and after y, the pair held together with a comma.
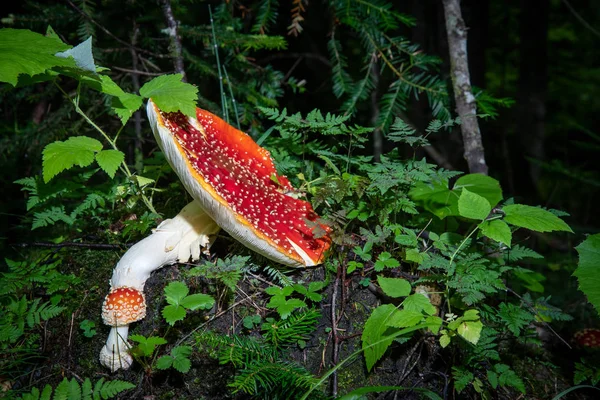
x: 173, y: 313
x: 394, y: 287
x: 82, y: 55
x: 418, y: 302
x: 534, y: 218
x: 164, y: 362
x: 470, y: 331
x: 25, y: 52
x: 588, y: 269
x: 170, y: 94
x: 198, y: 300
x: 124, y: 104
x: 497, y: 230
x: 175, y: 292
x: 405, y: 319
x: 59, y: 156
x: 373, y: 332
x: 444, y: 341
x: 473, y: 206
x: 181, y: 361
x: 483, y: 185
x: 109, y: 161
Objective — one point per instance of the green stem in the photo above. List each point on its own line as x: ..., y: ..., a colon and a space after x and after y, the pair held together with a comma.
x: 112, y: 143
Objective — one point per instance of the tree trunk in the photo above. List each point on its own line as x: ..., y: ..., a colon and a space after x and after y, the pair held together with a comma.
x: 461, y: 82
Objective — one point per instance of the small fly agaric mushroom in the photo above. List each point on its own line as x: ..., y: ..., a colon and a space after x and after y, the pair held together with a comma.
x: 174, y: 240
x: 236, y: 183
x: 589, y: 338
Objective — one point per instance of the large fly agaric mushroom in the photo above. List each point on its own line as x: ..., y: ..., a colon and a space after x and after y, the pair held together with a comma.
x: 236, y: 183
x: 588, y: 338
x: 174, y: 240
x: 236, y: 186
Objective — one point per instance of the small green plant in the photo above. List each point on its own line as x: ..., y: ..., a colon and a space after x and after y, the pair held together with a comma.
x: 284, y: 305
x: 178, y: 359
x: 180, y: 302
x: 88, y: 327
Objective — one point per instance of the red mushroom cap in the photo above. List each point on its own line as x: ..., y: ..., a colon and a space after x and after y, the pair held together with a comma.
x: 236, y: 182
x: 588, y: 338
x: 123, y: 306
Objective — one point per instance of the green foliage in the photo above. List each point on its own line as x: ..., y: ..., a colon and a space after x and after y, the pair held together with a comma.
x: 179, y: 359
x: 72, y: 390
x: 534, y: 218
x: 586, y: 370
x: 587, y: 270
x: 171, y: 94
x: 284, y: 305
x: 145, y: 345
x: 26, y: 52
x: 88, y: 328
x: 394, y: 287
x: 81, y: 151
x: 180, y: 302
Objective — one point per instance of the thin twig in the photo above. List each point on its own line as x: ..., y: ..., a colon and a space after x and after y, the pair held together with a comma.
x: 580, y: 18
x: 95, y: 246
x: 334, y: 335
x: 135, y: 71
x: 532, y: 309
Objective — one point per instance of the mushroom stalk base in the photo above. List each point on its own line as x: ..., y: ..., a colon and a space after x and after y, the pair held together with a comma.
x: 114, y: 354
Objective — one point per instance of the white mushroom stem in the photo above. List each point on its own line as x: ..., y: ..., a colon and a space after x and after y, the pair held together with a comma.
x: 114, y: 353
x: 174, y: 240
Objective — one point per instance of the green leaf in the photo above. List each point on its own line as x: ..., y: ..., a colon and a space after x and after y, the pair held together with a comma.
x: 444, y: 341
x: 164, y: 362
x: 173, y: 313
x: 473, y: 206
x: 82, y: 54
x: 25, y: 52
x: 170, y: 94
x: 196, y: 301
x: 181, y: 361
x: 418, y: 302
x: 493, y: 378
x: 385, y: 260
x: 534, y: 218
x: 483, y: 185
x: 59, y: 156
x: 373, y: 332
x: 588, y: 270
x: 109, y: 161
x: 470, y: 331
x: 394, y: 287
x: 147, y: 345
x: 175, y: 292
x: 123, y: 104
x: 405, y: 319
x: 497, y: 230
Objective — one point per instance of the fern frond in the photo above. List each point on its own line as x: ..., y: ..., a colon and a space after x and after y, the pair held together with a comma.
x: 292, y: 329
x: 268, y: 380
x: 71, y: 390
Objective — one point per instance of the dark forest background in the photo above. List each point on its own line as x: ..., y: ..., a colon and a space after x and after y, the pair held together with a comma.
x: 535, y: 70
